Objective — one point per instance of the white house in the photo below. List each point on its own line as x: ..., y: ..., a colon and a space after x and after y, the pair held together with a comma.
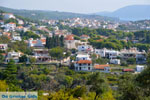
x: 14, y: 56
x: 3, y: 47
x: 111, y: 54
x: 139, y: 68
x: 20, y: 22
x: 10, y: 27
x: 115, y: 61
x: 85, y: 48
x: 35, y: 43
x: 8, y: 15
x: 41, y: 55
x: 141, y: 58
x: 1, y: 22
x: 70, y: 42
x: 100, y: 52
x: 83, y: 65
x: 16, y: 38
x: 129, y: 53
x: 83, y: 57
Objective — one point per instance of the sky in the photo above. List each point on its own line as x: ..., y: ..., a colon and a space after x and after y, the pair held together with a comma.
x: 76, y: 6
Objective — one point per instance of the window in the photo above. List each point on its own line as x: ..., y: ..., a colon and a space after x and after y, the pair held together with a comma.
x: 89, y: 68
x: 76, y: 68
x: 79, y: 68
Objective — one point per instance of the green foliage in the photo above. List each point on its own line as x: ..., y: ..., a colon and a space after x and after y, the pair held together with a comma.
x: 52, y: 42
x: 131, y: 61
x: 23, y: 58
x: 3, y: 86
x: 2, y: 58
x: 4, y: 39
x: 11, y: 20
x: 20, y: 46
x: 98, y: 84
x: 56, y: 53
x: 128, y: 88
x: 109, y: 43
x: 79, y: 91
x: 76, y: 37
x: 1, y: 17
x: 32, y: 60
x: 29, y: 34
x: 61, y: 95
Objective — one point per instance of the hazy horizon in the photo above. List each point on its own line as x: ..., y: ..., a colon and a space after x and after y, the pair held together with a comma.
x: 84, y: 6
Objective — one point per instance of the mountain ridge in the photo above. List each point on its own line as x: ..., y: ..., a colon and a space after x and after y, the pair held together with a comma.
x: 130, y: 13
x: 45, y: 14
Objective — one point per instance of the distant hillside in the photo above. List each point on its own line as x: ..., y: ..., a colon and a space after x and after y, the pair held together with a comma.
x: 132, y: 13
x: 40, y: 14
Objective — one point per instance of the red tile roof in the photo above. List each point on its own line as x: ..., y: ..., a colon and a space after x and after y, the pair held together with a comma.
x: 20, y: 27
x: 100, y: 66
x: 85, y: 36
x: 6, y: 33
x: 69, y: 37
x: 12, y: 23
x: 43, y: 40
x: 128, y: 70
x: 34, y: 42
x: 84, y: 62
x: 99, y: 40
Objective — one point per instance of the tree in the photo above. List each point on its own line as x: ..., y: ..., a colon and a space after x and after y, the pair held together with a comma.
x: 32, y: 60
x: 4, y: 39
x: 10, y: 73
x: 143, y: 79
x: 1, y: 58
x: 56, y: 53
x: 29, y: 34
x: 55, y: 41
x: 128, y: 89
x: 23, y: 58
x: 131, y: 61
x: 98, y: 84
x: 3, y: 86
x: 79, y: 91
x: 11, y: 20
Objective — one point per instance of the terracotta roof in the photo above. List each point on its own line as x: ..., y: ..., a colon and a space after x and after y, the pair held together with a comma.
x: 69, y: 37
x: 8, y: 13
x: 4, y: 54
x: 59, y: 33
x: 20, y: 27
x: 99, y: 40
x: 84, y: 36
x: 11, y: 23
x: 84, y: 62
x: 100, y: 66
x: 128, y: 70
x: 43, y: 40
x: 6, y: 33
x: 34, y: 42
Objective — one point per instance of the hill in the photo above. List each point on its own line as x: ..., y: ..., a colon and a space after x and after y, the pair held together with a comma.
x: 131, y: 13
x: 41, y: 14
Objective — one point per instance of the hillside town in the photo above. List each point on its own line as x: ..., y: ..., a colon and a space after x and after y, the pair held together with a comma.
x: 75, y: 53
x: 79, y: 49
